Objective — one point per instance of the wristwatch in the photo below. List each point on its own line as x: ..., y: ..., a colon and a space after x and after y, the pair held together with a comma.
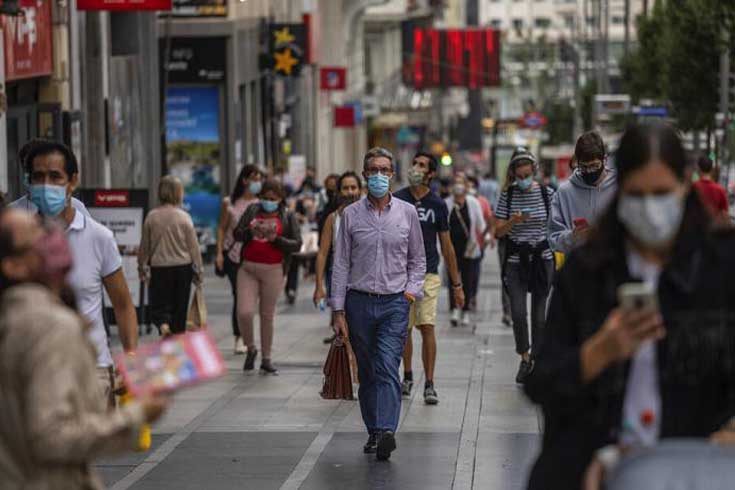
x: 457, y: 286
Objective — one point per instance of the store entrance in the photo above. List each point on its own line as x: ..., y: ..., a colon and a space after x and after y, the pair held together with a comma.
x: 26, y: 122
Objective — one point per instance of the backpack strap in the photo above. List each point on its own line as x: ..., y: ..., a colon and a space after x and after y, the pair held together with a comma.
x: 545, y: 197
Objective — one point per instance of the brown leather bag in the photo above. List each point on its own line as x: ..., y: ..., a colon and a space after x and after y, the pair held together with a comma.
x: 337, y: 376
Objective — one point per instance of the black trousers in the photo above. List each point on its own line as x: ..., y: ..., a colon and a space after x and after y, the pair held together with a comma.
x: 231, y: 272
x: 292, y: 280
x: 469, y: 271
x: 518, y: 289
x: 169, y: 295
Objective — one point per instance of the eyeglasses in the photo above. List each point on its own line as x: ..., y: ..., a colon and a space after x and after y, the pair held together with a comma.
x: 588, y: 167
x: 387, y: 171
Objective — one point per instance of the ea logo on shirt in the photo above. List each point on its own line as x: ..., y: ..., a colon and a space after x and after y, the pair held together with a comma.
x: 426, y: 215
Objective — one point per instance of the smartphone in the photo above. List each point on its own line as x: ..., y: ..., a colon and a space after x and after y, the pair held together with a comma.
x: 526, y: 213
x: 580, y: 223
x: 637, y: 296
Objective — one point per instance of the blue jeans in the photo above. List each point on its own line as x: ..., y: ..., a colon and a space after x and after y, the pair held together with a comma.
x: 378, y: 328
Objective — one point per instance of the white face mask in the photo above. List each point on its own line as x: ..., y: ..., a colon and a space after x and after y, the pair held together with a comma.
x: 652, y: 220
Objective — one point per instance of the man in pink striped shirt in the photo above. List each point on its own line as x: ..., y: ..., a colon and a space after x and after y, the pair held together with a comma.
x: 378, y: 271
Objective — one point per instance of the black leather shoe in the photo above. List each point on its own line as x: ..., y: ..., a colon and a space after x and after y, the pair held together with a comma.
x: 250, y: 360
x: 524, y: 370
x: 371, y: 445
x: 386, y: 445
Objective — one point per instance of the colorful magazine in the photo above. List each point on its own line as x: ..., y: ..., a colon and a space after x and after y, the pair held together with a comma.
x: 174, y: 363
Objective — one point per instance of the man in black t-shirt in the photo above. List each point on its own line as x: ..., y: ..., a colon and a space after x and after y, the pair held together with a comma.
x: 434, y: 218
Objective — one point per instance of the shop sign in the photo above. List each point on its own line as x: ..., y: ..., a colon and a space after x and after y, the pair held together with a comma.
x: 200, y: 8
x: 195, y: 60
x: 333, y: 78
x: 28, y: 49
x: 122, y: 5
x: 344, y: 116
x: 288, y: 45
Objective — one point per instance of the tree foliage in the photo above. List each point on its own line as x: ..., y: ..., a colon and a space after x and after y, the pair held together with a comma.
x: 677, y: 60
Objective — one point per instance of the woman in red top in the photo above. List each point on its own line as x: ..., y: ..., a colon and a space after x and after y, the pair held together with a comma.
x: 269, y: 234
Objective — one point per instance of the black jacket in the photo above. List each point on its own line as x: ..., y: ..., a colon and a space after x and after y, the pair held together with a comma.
x: 696, y: 360
x: 289, y: 242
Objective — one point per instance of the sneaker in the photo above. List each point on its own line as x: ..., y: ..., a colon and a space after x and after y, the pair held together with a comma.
x: 386, y: 445
x: 406, y: 388
x: 466, y: 319
x: 524, y: 370
x: 371, y: 446
x: 266, y: 367
x: 455, y: 317
x: 430, y: 396
x: 507, y: 321
x: 240, y: 346
x: 250, y: 360
x: 291, y: 296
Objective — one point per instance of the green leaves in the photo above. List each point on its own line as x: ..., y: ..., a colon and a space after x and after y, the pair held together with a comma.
x: 677, y: 60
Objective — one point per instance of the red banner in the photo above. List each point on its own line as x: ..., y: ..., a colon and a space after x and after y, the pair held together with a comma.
x: 28, y: 50
x: 124, y: 4
x: 333, y: 78
x: 344, y: 116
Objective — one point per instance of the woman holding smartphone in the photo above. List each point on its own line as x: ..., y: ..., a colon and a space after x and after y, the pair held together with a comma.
x: 270, y: 235
x: 245, y: 193
x: 522, y: 217
x: 628, y: 364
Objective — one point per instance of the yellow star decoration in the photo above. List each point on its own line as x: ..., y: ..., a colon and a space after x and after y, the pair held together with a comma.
x: 285, y: 61
x: 283, y: 36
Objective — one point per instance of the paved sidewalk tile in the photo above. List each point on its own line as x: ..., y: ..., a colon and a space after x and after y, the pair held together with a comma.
x: 257, y: 460
x: 423, y: 461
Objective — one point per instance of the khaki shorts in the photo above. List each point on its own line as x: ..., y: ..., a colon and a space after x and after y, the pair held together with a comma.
x: 424, y: 312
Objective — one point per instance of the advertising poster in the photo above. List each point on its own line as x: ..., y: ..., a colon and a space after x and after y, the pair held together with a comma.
x: 193, y: 153
x: 123, y: 212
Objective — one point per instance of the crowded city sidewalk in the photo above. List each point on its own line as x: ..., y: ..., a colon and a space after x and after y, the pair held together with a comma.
x: 275, y: 432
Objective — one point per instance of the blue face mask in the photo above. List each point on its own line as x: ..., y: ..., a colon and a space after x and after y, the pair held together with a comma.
x: 50, y: 199
x: 525, y: 184
x: 255, y: 187
x: 269, y: 206
x: 378, y: 185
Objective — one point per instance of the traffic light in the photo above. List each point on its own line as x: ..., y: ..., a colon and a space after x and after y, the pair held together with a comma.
x: 446, y: 159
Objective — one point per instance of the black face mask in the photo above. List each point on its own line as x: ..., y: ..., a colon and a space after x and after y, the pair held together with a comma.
x: 591, y: 178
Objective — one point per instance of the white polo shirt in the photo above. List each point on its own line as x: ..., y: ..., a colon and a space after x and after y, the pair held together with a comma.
x: 96, y: 256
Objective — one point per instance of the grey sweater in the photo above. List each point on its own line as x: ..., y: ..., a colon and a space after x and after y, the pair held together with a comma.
x: 576, y: 199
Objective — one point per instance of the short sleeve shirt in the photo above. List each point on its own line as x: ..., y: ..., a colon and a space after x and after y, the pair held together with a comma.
x: 534, y: 230
x: 26, y: 204
x: 434, y: 218
x: 96, y: 256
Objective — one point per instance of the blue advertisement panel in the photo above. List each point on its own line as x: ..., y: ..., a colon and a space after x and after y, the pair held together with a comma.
x: 193, y: 152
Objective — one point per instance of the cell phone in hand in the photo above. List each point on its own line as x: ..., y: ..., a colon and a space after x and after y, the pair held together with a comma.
x: 580, y: 223
x: 638, y: 296
x: 526, y: 213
